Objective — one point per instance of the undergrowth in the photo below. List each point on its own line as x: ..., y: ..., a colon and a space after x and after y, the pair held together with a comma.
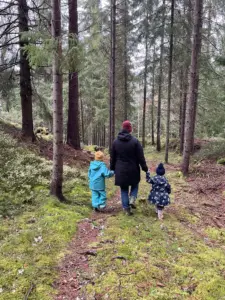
x: 213, y: 150
x: 35, y: 228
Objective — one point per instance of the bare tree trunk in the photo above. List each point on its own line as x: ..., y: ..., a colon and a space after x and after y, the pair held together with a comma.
x: 169, y: 82
x: 188, y: 3
x: 183, y: 110
x: 145, y: 87
x: 25, y: 74
x: 57, y: 175
x: 125, y: 63
x: 112, y: 73
x: 193, y: 89
x: 158, y: 146
x: 181, y: 106
x: 73, y: 127
x: 153, y: 99
x: 82, y: 119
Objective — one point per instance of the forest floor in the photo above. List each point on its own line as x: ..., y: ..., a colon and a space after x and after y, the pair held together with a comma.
x: 114, y: 256
x: 50, y: 250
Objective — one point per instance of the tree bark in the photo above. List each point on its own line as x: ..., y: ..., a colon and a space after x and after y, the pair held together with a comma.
x: 188, y: 4
x: 57, y: 175
x: 183, y: 109
x: 25, y: 74
x: 158, y: 146
x: 125, y: 63
x: 153, y: 99
x: 169, y: 82
x: 73, y: 127
x: 112, y: 73
x: 82, y: 119
x: 193, y: 89
x: 145, y: 85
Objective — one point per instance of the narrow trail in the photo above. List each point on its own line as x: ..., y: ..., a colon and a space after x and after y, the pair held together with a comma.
x: 74, y: 269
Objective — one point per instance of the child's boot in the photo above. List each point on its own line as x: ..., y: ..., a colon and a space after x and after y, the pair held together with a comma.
x: 160, y: 214
x: 128, y: 211
x: 132, y: 202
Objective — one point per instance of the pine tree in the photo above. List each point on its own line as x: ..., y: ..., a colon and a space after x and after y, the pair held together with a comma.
x: 170, y: 80
x: 158, y: 147
x: 193, y: 89
x: 25, y: 74
x: 57, y: 174
x: 112, y: 74
x: 73, y: 127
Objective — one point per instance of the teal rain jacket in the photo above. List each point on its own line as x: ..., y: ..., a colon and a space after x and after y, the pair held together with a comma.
x: 97, y: 173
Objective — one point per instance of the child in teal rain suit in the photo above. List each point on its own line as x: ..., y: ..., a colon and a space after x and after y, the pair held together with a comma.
x: 97, y: 174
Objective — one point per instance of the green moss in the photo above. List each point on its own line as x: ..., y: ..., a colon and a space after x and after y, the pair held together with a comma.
x: 221, y: 161
x: 216, y: 234
x: 34, y: 227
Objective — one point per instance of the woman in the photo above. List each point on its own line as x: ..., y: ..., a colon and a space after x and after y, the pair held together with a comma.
x: 126, y: 158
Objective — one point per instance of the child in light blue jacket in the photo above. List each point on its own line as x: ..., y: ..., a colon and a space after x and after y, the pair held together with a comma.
x: 97, y: 173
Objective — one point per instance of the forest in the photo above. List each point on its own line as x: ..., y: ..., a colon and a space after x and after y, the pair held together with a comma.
x: 71, y: 72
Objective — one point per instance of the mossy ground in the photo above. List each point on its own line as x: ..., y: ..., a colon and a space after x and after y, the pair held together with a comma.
x: 35, y: 228
x: 141, y: 258
x: 138, y: 257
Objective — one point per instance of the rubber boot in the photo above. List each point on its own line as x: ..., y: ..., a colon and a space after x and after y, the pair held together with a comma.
x: 160, y: 214
x: 132, y: 202
x: 128, y: 211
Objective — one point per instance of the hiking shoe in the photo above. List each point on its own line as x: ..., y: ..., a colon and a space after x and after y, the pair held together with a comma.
x: 132, y: 200
x: 133, y: 206
x: 128, y: 212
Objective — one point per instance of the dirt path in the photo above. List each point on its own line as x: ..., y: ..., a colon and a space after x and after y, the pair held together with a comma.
x: 74, y: 269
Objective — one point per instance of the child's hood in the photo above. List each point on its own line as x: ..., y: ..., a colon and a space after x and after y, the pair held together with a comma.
x: 96, y: 165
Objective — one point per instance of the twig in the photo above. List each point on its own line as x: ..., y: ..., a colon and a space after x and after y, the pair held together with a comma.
x: 89, y: 252
x: 32, y: 286
x: 132, y: 273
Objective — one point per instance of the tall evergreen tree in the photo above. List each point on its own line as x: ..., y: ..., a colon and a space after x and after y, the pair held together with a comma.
x: 57, y: 174
x: 170, y: 80
x: 194, y: 81
x: 73, y: 128
x: 112, y: 74
x: 158, y: 146
x: 25, y: 73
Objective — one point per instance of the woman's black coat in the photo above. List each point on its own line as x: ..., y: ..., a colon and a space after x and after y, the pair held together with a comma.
x: 126, y: 157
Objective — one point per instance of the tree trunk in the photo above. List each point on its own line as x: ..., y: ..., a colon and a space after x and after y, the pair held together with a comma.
x: 158, y: 146
x: 145, y: 87
x: 112, y: 73
x: 188, y: 3
x: 73, y: 127
x: 125, y: 63
x: 25, y: 74
x: 183, y: 109
x: 193, y: 89
x: 181, y: 105
x: 82, y: 119
x: 153, y: 99
x: 57, y: 175
x: 169, y: 82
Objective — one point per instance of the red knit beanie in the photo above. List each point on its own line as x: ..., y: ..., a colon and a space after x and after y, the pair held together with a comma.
x: 127, y: 126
